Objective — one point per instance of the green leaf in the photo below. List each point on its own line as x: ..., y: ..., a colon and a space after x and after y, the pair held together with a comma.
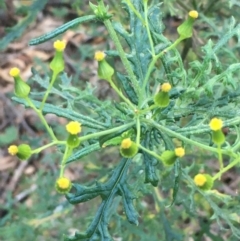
x: 63, y: 28
x: 9, y: 136
x: 116, y: 185
x: 177, y: 176
x: 83, y: 152
x: 62, y: 112
x: 20, y: 27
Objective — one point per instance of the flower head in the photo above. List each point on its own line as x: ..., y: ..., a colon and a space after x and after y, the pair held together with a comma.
x: 128, y: 148
x: 204, y: 181
x: 126, y: 143
x: 63, y: 185
x: 99, y: 55
x: 166, y: 87
x: 200, y: 180
x: 73, y: 127
x: 59, y: 45
x: 193, y: 14
x: 14, y: 72
x: 13, y: 150
x: 216, y: 124
x: 179, y: 152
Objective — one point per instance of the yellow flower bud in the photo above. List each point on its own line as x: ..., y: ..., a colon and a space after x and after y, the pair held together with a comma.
x: 193, y: 14
x: 204, y: 181
x: 13, y: 150
x: 63, y: 185
x: 186, y: 28
x: 14, y: 72
x: 166, y: 87
x: 179, y: 152
x: 99, y: 55
x: 73, y: 127
x: 216, y: 124
x: 126, y: 143
x: 21, y: 88
x: 128, y: 148
x: 200, y: 180
x: 59, y: 45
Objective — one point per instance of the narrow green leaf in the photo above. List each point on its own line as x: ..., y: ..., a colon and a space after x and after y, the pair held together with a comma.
x: 67, y: 113
x: 63, y: 28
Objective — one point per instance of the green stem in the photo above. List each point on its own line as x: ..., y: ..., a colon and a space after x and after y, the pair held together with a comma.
x: 138, y: 127
x: 148, y: 109
x: 187, y: 140
x: 121, y: 52
x: 67, y: 153
x: 119, y: 92
x: 152, y: 153
x: 54, y: 76
x: 220, y: 157
x: 102, y: 133
x: 148, y: 29
x: 48, y: 145
x: 153, y: 62
x: 225, y: 169
x: 41, y: 117
x: 135, y: 11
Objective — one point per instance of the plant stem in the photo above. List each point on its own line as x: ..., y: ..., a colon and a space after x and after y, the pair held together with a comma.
x: 152, y: 153
x: 220, y: 157
x: 138, y: 127
x: 54, y: 76
x: 147, y: 28
x: 183, y: 138
x: 67, y: 153
x: 135, y: 11
x: 102, y: 133
x: 48, y: 145
x: 121, y: 52
x: 119, y: 92
x: 225, y: 169
x: 41, y: 117
x: 152, y: 64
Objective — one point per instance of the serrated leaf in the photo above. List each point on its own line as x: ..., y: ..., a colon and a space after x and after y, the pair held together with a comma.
x: 114, y: 186
x: 177, y: 178
x: 67, y: 113
x: 83, y: 152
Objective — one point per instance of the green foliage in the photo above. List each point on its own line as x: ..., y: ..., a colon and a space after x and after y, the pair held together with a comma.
x: 17, y: 30
x: 9, y: 136
x: 201, y: 89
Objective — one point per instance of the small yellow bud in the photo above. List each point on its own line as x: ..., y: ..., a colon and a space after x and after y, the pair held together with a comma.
x: 166, y: 87
x: 99, y: 56
x: 200, y: 180
x: 179, y: 152
x: 193, y: 14
x: 73, y: 127
x: 13, y: 150
x: 63, y: 185
x: 204, y: 181
x: 59, y: 45
x: 128, y: 148
x: 216, y: 124
x: 14, y: 72
x: 126, y: 143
